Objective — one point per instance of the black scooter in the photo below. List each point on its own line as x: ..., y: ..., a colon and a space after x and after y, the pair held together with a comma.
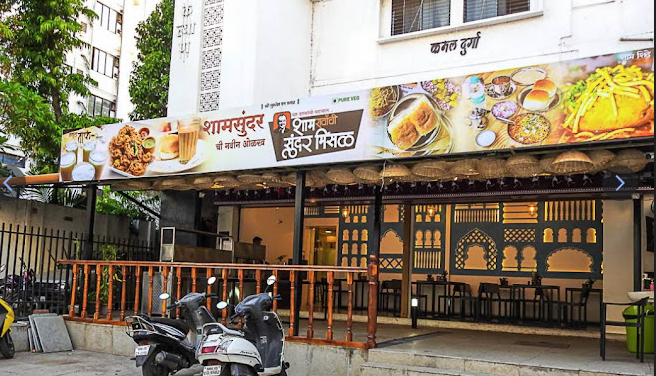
x: 163, y: 346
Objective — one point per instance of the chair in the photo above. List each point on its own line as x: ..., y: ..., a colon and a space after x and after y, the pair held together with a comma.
x: 462, y: 294
x: 639, y: 325
x: 489, y: 294
x: 542, y: 300
x: 566, y: 309
x: 390, y: 289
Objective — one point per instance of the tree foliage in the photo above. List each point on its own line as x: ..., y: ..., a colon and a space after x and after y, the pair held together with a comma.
x: 35, y: 84
x: 149, y: 83
x: 110, y: 202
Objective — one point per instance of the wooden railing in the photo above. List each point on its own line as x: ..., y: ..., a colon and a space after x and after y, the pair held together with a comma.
x: 93, y: 289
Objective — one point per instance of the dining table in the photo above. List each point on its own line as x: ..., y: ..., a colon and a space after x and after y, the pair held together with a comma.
x: 518, y: 293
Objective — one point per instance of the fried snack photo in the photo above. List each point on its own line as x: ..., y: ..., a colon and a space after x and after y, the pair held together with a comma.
x: 127, y: 152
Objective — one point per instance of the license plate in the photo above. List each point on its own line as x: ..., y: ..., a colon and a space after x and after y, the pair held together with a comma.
x: 212, y: 371
x: 141, y: 350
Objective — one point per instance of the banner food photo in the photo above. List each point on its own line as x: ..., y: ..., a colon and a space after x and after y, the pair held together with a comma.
x: 599, y: 98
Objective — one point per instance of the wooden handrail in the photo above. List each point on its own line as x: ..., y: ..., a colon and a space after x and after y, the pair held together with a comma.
x: 181, y: 278
x: 301, y: 268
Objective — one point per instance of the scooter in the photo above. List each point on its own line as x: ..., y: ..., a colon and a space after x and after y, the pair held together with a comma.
x: 163, y: 346
x: 258, y: 350
x: 6, y: 319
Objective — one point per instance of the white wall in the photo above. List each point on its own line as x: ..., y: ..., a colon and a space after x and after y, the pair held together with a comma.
x: 350, y: 51
x: 276, y: 50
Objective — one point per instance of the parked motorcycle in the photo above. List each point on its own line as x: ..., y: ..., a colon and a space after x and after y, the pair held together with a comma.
x: 6, y: 319
x: 18, y: 290
x: 163, y: 344
x: 258, y: 350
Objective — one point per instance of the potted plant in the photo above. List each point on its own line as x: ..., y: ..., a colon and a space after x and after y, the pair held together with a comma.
x: 107, y: 253
x: 281, y: 259
x: 536, y: 279
x: 589, y: 283
x: 503, y: 281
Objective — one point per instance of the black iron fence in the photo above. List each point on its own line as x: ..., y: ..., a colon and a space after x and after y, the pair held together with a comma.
x: 30, y: 277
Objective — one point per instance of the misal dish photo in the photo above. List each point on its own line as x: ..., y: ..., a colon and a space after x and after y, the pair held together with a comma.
x: 611, y: 103
x: 382, y: 100
x: 529, y: 128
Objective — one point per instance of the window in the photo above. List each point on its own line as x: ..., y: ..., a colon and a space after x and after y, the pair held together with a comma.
x: 101, y: 107
x: 104, y: 63
x: 481, y: 9
x: 12, y: 160
x: 109, y: 18
x: 409, y: 16
x: 416, y: 15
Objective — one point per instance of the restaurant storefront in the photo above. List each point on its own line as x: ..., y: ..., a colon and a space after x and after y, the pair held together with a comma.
x: 509, y: 216
x: 486, y: 192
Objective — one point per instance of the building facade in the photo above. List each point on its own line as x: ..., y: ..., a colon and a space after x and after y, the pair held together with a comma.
x: 231, y: 54
x: 109, y: 56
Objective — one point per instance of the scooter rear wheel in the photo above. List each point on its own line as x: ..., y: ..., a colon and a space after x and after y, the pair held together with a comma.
x: 7, y: 346
x: 150, y: 368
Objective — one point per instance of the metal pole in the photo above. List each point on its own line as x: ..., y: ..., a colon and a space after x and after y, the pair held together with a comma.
x: 372, y: 271
x: 297, y: 250
x: 91, y: 218
x: 637, y: 244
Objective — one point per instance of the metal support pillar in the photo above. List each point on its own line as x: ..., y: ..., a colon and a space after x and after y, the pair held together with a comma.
x: 372, y: 271
x: 91, y: 219
x: 637, y: 244
x: 297, y: 250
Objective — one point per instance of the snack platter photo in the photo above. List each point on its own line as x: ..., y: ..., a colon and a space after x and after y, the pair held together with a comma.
x: 591, y: 99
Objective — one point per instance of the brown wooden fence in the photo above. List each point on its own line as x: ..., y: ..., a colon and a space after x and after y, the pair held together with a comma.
x: 100, y: 293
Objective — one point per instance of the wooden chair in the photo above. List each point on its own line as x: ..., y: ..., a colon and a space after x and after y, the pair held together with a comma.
x: 639, y: 325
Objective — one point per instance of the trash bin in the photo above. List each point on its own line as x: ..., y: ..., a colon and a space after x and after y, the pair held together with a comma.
x: 631, y: 315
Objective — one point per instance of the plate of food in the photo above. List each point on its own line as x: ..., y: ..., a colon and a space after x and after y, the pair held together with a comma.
x: 504, y: 110
x: 415, y: 124
x: 528, y: 76
x: 169, y: 157
x: 127, y: 154
x: 613, y: 102
x: 444, y: 92
x: 529, y: 128
x: 542, y: 96
x: 382, y: 100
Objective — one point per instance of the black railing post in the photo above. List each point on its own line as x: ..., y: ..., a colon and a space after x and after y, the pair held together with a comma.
x: 297, y: 250
x: 91, y: 217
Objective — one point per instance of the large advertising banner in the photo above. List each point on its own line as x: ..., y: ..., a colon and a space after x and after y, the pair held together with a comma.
x: 600, y: 98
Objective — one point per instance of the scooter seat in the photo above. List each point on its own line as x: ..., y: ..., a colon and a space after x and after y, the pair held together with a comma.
x: 177, y: 324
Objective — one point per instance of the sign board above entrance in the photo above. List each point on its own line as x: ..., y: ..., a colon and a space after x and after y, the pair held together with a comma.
x: 593, y: 99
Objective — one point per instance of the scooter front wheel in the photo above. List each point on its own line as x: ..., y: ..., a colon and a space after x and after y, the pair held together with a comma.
x: 7, y: 346
x: 151, y: 368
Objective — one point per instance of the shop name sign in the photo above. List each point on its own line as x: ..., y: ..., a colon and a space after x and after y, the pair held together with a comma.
x: 185, y: 30
x: 526, y: 107
x: 451, y: 45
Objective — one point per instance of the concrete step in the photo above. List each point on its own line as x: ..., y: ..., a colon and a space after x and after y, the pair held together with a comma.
x: 386, y: 369
x: 434, y: 364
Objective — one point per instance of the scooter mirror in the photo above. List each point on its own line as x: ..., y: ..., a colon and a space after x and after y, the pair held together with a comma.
x: 211, y: 280
x: 271, y: 280
x: 221, y: 305
x: 164, y: 296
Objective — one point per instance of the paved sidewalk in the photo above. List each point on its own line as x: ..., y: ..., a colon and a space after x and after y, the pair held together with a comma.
x: 82, y: 363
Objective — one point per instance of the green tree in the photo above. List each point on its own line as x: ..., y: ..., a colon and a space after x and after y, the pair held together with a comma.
x: 149, y: 83
x: 35, y: 84
x: 110, y: 202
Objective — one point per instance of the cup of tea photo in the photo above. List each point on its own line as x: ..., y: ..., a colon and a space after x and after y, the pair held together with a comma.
x: 188, y: 133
